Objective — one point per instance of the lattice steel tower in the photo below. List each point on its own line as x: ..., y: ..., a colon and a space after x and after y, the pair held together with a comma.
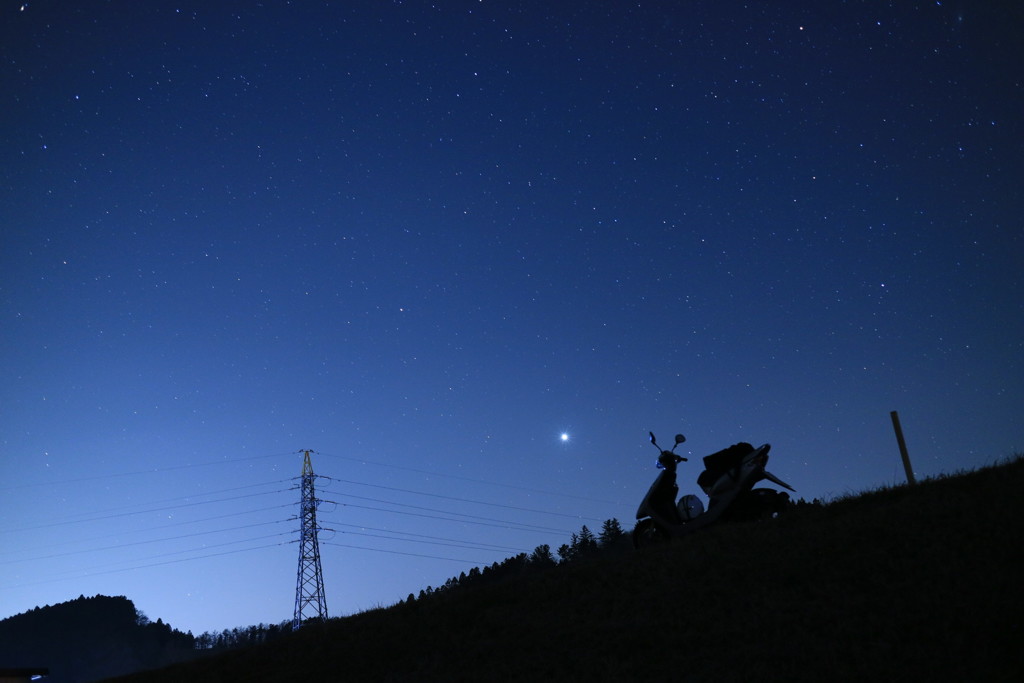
x: 310, y: 603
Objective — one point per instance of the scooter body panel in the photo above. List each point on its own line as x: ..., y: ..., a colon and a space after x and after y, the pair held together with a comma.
x: 659, y: 503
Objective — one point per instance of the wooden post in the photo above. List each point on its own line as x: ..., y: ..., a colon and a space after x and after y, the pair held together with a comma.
x: 903, y: 447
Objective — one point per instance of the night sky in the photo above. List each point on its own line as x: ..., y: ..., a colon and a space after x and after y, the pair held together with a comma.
x: 424, y: 240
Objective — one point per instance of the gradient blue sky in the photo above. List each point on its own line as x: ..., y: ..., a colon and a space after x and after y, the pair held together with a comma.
x: 424, y: 240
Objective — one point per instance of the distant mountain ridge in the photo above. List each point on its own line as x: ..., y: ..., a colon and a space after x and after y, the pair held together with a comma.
x: 89, y: 639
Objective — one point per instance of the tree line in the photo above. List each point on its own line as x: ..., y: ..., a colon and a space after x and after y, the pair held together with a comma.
x: 582, y: 546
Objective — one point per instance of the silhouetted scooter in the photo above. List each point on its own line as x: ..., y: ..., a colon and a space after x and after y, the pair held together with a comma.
x: 728, y: 480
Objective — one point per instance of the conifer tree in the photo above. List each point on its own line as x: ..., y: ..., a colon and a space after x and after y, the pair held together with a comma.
x: 567, y: 552
x: 611, y: 532
x: 541, y: 557
x: 586, y: 544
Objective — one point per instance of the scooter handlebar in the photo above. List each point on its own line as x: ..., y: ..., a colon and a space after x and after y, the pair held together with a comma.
x: 669, y: 455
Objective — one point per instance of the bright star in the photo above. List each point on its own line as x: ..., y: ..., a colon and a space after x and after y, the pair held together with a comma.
x: 564, y: 437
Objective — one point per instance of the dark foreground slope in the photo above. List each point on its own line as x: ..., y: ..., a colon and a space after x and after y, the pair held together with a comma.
x: 910, y: 584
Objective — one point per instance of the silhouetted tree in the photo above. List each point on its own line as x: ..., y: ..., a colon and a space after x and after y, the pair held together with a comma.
x: 241, y: 637
x: 611, y: 533
x: 580, y: 545
x: 567, y: 552
x: 541, y: 557
x: 586, y: 543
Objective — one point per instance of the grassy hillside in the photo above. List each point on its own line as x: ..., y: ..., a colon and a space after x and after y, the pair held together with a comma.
x: 919, y: 583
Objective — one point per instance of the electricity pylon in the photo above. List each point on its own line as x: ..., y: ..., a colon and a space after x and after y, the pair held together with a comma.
x: 310, y: 603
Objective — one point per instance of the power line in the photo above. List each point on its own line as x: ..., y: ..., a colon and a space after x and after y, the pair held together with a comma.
x: 475, y: 481
x: 68, y: 520
x: 501, y: 524
x: 138, y: 472
x: 164, y: 526
x: 410, y: 533
x: 454, y: 544
x: 399, y: 552
x: 221, y: 545
x: 140, y: 512
x: 461, y: 500
x: 135, y: 543
x: 447, y: 512
x: 89, y: 572
x: 409, y: 540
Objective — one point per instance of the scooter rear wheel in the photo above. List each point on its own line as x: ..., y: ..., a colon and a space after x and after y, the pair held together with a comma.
x: 646, y: 533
